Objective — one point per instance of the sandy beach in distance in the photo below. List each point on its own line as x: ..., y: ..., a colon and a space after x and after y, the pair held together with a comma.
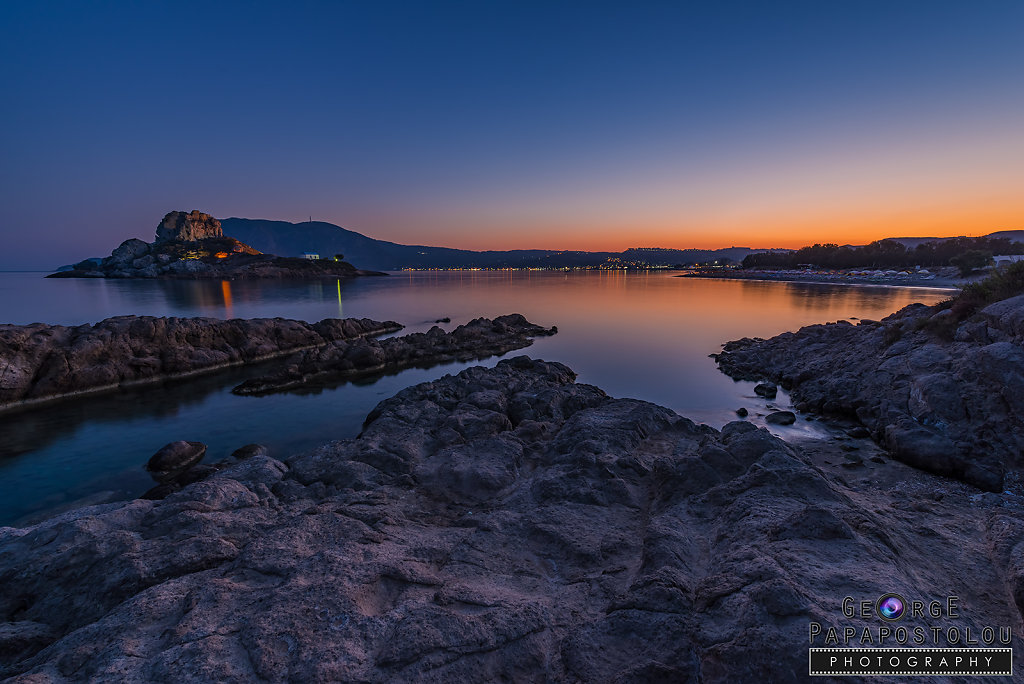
x: 944, y: 279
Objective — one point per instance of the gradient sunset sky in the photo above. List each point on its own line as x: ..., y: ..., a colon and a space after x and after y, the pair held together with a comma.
x: 499, y: 125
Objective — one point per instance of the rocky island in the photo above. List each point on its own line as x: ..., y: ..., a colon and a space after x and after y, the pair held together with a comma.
x: 193, y: 245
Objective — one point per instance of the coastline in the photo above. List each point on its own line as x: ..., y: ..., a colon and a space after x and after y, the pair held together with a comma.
x: 937, y: 283
x: 482, y: 522
x: 503, y: 522
x: 51, y: 363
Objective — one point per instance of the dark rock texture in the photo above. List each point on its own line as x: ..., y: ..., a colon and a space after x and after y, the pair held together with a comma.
x: 342, y: 359
x: 500, y: 525
x: 942, y: 396
x: 179, y: 226
x: 40, y: 361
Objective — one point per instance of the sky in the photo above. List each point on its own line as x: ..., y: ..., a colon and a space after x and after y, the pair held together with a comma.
x: 505, y: 125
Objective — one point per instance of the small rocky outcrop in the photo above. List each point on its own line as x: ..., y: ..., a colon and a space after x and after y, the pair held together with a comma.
x: 179, y: 226
x: 343, y: 359
x: 40, y: 362
x: 504, y: 524
x: 192, y: 245
x: 177, y: 465
x: 940, y: 394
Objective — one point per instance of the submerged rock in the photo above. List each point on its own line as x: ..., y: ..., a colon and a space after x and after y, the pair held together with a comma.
x: 502, y: 524
x: 780, y: 418
x: 249, y: 451
x: 174, y: 459
x: 765, y: 390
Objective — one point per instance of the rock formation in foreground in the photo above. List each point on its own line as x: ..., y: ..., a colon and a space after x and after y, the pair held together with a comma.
x: 346, y: 358
x: 941, y: 394
x: 193, y: 245
x: 504, y: 524
x: 40, y: 362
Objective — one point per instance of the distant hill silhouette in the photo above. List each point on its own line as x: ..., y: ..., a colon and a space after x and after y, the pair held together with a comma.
x: 912, y: 242
x: 327, y: 239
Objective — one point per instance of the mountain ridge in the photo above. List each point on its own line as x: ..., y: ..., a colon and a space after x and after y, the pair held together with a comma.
x: 327, y: 239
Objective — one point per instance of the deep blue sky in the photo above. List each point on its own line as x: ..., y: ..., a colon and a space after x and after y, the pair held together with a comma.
x: 522, y: 124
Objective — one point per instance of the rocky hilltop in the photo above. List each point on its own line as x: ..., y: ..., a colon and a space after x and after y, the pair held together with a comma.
x: 193, y: 245
x: 504, y: 524
x: 40, y: 362
x: 939, y: 387
x: 178, y: 226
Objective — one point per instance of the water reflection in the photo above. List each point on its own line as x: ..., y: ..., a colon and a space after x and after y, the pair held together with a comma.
x: 644, y: 335
x: 225, y: 288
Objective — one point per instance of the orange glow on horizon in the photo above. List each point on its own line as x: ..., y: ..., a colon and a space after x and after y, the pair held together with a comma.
x: 790, y: 233
x: 922, y: 181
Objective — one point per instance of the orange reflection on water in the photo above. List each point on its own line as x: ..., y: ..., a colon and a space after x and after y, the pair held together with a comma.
x: 225, y: 289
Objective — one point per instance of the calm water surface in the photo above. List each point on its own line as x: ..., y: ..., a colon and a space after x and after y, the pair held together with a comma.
x: 644, y: 335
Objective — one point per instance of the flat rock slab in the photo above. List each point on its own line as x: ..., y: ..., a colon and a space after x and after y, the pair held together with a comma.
x: 478, y: 339
x: 504, y: 524
x: 40, y: 362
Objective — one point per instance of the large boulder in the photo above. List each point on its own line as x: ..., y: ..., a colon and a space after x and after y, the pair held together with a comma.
x: 178, y: 226
x: 127, y: 252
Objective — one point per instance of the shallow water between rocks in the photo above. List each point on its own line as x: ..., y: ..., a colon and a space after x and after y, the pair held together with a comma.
x: 634, y: 334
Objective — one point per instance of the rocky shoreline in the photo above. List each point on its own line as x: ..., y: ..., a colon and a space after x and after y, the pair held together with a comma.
x: 945, y: 279
x: 40, y: 362
x: 43, y: 363
x: 512, y: 524
x: 939, y: 393
x: 343, y: 359
x: 504, y: 523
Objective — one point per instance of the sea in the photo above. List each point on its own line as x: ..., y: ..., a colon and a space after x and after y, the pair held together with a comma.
x: 640, y: 334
